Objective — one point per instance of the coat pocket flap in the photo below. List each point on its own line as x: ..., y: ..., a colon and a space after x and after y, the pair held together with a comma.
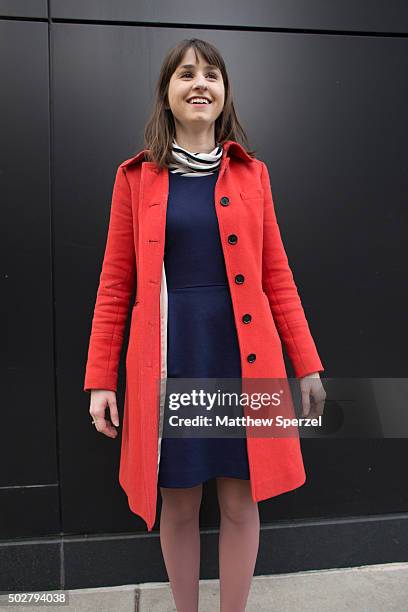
x: 252, y: 194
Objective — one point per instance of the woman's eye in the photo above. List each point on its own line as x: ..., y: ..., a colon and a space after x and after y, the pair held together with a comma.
x: 212, y: 74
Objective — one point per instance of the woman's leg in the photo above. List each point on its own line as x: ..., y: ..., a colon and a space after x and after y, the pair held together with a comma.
x: 180, y: 543
x: 238, y: 542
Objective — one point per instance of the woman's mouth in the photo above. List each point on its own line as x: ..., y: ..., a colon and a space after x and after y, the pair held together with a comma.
x: 198, y: 101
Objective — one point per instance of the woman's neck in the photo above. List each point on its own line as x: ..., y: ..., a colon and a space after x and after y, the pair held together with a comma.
x: 196, y: 143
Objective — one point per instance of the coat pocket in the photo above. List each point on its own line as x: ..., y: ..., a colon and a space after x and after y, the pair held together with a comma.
x: 252, y: 194
x: 270, y: 317
x: 134, y: 331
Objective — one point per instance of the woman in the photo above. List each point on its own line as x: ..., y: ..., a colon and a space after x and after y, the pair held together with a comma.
x: 193, y: 228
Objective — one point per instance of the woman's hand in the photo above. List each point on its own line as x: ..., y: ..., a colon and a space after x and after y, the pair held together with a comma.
x: 313, y: 395
x: 100, y: 400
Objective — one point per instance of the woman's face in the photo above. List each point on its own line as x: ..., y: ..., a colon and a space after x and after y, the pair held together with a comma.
x: 196, y: 80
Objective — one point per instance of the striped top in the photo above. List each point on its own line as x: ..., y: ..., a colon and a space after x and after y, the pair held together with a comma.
x: 187, y: 163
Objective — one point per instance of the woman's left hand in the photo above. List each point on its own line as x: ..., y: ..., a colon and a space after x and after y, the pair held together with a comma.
x: 313, y: 395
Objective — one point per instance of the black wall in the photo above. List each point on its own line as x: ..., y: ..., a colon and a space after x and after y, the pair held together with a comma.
x: 322, y: 94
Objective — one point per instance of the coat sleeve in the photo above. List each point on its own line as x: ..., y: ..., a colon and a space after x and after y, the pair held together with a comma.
x: 116, y: 284
x: 282, y: 293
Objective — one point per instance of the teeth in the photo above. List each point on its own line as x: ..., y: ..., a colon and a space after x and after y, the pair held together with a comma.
x: 198, y: 100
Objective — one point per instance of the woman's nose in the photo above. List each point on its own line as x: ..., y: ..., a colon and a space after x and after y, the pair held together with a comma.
x: 200, y: 83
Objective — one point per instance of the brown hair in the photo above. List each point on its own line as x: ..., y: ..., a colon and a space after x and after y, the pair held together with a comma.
x: 160, y: 128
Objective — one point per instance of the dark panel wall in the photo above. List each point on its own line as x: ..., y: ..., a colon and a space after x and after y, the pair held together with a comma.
x: 327, y: 114
x: 349, y: 16
x: 28, y: 446
x: 24, y: 8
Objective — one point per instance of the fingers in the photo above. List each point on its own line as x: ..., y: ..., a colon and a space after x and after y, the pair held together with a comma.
x: 318, y: 397
x: 312, y: 390
x: 104, y: 426
x: 114, y: 415
x: 100, y: 400
x: 306, y: 401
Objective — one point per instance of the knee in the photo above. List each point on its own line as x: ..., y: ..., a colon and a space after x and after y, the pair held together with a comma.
x: 181, y: 509
x: 237, y: 509
x: 183, y: 514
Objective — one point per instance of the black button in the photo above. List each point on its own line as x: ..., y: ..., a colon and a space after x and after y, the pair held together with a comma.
x: 251, y: 357
x: 246, y: 318
x: 239, y: 279
x: 232, y: 239
x: 224, y: 201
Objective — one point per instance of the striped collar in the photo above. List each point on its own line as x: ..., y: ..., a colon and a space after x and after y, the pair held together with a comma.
x: 187, y: 163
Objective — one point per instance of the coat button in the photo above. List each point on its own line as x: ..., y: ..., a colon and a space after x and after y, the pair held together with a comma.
x: 239, y: 279
x: 246, y: 318
x: 232, y: 239
x: 224, y: 201
x: 251, y: 357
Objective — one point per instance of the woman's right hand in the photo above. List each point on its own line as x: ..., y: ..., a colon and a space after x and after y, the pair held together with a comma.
x: 100, y: 400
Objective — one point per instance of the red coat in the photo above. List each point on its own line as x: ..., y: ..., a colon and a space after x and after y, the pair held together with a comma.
x: 135, y: 242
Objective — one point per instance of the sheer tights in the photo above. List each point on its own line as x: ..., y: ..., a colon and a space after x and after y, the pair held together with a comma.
x: 238, y: 543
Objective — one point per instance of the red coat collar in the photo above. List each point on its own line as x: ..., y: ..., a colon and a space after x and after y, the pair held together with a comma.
x: 230, y: 148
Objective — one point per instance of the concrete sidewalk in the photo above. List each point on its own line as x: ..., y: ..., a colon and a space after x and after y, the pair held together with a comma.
x: 373, y: 588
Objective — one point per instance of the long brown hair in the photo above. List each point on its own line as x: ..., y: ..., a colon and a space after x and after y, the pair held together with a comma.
x: 160, y: 128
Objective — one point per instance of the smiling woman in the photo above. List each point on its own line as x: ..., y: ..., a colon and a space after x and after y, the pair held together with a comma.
x: 192, y: 69
x: 196, y: 96
x: 193, y: 227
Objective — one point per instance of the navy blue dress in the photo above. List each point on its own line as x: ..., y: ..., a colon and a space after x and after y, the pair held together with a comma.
x: 201, y: 334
